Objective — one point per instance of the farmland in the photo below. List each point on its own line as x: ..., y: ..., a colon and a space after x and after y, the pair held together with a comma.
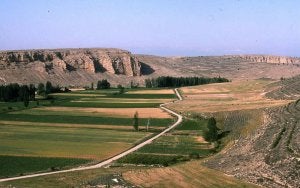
x: 237, y: 95
x: 182, y: 144
x: 75, y: 128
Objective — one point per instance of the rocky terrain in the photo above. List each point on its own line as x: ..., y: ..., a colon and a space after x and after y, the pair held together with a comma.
x: 271, y: 155
x: 287, y: 88
x: 67, y: 66
x: 80, y: 67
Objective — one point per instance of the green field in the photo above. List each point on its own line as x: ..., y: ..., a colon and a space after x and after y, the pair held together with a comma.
x: 35, y: 139
x: 34, y: 164
x: 183, y: 143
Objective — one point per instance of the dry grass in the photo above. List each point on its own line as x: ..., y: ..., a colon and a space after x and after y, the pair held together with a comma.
x: 190, y: 174
x: 115, y: 112
x: 123, y: 100
x: 239, y: 95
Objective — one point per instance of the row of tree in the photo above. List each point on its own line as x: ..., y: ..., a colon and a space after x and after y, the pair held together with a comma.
x: 168, y: 81
x: 16, y: 92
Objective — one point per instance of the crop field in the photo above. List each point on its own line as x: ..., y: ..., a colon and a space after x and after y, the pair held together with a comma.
x: 238, y: 95
x: 182, y: 144
x: 61, y: 132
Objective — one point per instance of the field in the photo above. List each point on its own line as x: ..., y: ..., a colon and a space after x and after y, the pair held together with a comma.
x: 75, y: 128
x: 182, y: 144
x: 190, y: 174
x: 237, y: 95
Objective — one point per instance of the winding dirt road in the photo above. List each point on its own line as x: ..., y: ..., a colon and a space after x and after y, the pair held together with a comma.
x: 108, y: 161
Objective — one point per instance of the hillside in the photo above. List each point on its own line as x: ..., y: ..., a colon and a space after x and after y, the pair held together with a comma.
x: 80, y: 67
x: 233, y: 67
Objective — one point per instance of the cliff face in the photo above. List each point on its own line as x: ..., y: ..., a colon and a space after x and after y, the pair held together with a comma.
x: 113, y: 61
x: 269, y: 59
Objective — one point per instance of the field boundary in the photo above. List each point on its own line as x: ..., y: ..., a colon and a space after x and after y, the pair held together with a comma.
x: 118, y: 156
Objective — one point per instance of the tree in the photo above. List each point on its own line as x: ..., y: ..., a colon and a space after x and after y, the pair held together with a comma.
x: 92, y: 86
x: 41, y: 89
x: 26, y: 103
x: 103, y: 84
x: 211, y: 134
x: 136, y: 121
x: 121, y: 89
x: 48, y: 89
x: 32, y: 92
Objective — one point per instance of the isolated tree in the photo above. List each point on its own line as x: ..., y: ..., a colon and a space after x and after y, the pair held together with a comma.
x: 121, y: 89
x: 41, y: 89
x: 24, y: 95
x: 32, y: 92
x: 48, y: 89
x: 92, y: 86
x: 211, y: 134
x: 136, y: 121
x: 26, y: 102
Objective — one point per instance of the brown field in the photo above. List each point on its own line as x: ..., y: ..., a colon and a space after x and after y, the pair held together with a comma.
x: 115, y: 112
x: 190, y: 174
x: 238, y: 95
x: 122, y: 100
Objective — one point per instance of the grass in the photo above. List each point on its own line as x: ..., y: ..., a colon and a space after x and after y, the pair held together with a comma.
x: 151, y: 159
x: 65, y: 142
x: 16, y: 106
x: 27, y: 165
x: 180, y: 145
x: 192, y: 125
x: 189, y: 174
x: 55, y: 118
x: 48, y: 139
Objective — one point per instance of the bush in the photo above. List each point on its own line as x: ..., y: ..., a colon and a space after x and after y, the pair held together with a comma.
x: 211, y: 134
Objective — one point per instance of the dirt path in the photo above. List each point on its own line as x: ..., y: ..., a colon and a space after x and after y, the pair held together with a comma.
x: 108, y: 161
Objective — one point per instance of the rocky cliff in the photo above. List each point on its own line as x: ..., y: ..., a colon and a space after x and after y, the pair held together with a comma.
x: 113, y: 61
x: 269, y: 59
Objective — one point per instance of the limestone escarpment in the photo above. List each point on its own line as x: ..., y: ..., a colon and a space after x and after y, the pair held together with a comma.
x: 269, y: 59
x: 113, y: 61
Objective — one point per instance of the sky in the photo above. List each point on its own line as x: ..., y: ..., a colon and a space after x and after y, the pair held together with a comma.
x: 157, y: 27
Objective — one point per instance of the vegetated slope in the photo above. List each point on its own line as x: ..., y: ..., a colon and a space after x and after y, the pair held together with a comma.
x: 190, y: 174
x: 270, y: 156
x: 231, y: 67
x: 287, y: 88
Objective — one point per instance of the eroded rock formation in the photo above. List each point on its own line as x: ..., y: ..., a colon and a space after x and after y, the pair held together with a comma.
x: 269, y: 59
x: 113, y: 61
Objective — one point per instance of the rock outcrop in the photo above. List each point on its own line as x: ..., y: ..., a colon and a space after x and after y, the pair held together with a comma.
x: 269, y: 59
x: 113, y: 61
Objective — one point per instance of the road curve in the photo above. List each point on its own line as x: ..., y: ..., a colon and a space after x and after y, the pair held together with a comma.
x: 106, y: 162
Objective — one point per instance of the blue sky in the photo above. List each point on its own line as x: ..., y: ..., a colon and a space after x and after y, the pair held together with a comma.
x: 159, y: 27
